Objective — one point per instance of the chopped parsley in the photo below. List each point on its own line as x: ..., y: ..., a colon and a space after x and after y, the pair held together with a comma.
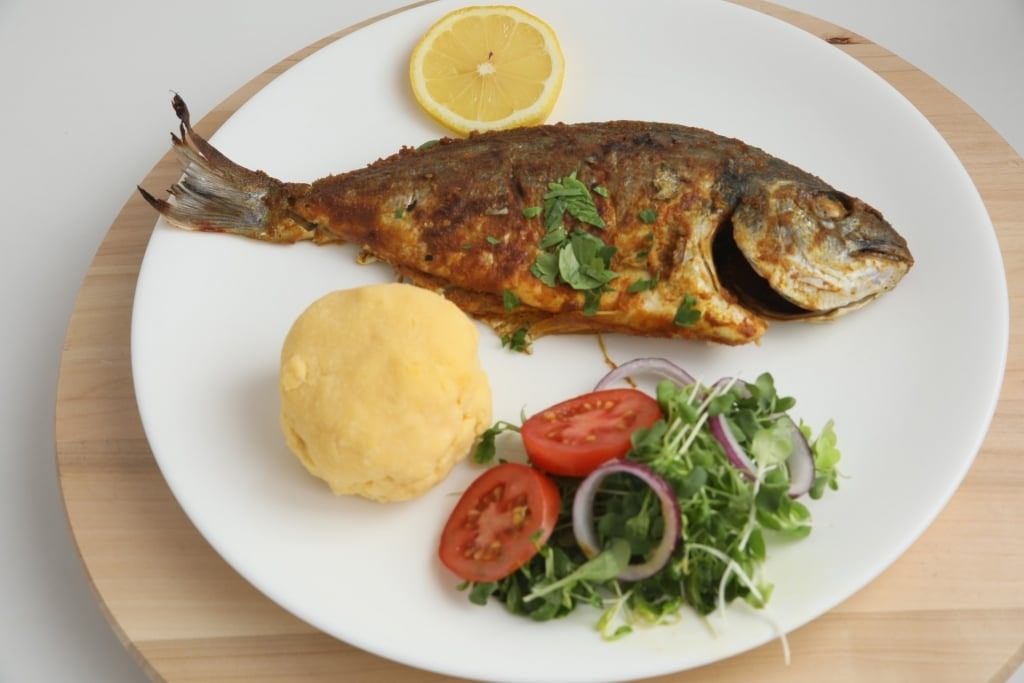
x: 580, y: 260
x: 577, y: 258
x: 553, y: 238
x: 510, y: 300
x: 648, y: 216
x: 516, y: 341
x: 686, y: 314
x: 643, y: 285
x: 570, y: 195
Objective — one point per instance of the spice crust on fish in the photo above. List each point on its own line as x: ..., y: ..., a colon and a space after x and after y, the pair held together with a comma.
x: 642, y: 228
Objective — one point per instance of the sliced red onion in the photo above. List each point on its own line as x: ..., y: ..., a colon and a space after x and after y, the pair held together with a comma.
x: 733, y: 450
x: 660, y: 367
x: 583, y: 525
x: 799, y: 464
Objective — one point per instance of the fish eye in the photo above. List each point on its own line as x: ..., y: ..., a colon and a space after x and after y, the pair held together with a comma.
x: 831, y: 206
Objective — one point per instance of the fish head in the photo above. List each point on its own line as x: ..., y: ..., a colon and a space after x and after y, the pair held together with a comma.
x: 804, y: 250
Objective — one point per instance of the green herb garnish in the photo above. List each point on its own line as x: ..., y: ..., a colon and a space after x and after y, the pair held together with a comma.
x: 577, y: 258
x: 642, y: 285
x: 826, y: 457
x: 686, y: 314
x: 648, y: 216
x: 486, y: 449
x: 570, y: 195
x: 584, y: 262
x: 516, y: 341
x: 510, y: 300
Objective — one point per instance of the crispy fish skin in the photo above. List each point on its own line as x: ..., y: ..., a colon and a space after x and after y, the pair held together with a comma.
x: 683, y: 207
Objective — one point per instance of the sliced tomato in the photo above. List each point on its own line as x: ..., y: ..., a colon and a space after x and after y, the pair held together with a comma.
x: 575, y: 437
x: 504, y: 516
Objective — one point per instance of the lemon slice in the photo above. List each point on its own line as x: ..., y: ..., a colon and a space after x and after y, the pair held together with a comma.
x: 487, y: 68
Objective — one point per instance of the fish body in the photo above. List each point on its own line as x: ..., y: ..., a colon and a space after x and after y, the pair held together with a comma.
x: 684, y: 233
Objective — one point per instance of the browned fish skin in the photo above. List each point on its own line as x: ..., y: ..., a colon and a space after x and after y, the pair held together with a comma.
x: 451, y: 217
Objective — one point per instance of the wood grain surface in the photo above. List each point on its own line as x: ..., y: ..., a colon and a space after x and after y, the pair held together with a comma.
x: 950, y: 609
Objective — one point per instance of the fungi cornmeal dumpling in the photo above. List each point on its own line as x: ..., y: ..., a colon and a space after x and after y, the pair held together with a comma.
x: 382, y: 391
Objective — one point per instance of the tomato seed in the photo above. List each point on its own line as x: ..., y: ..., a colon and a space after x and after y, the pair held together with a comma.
x: 519, y: 514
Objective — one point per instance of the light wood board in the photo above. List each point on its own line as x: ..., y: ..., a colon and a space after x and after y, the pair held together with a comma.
x: 950, y: 609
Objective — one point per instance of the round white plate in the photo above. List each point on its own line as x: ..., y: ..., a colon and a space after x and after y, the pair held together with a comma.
x: 911, y: 380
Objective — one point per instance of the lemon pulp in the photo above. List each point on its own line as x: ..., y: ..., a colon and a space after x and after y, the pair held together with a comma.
x: 487, y: 68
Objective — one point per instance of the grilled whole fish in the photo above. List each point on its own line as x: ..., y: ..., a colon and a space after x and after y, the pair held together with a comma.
x: 696, y: 235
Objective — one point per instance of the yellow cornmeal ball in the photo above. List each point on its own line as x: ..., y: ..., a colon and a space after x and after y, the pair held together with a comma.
x: 382, y: 390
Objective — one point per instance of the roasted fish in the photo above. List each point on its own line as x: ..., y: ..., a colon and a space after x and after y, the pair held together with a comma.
x: 642, y: 228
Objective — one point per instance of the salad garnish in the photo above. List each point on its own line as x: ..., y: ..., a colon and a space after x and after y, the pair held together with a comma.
x: 680, y: 515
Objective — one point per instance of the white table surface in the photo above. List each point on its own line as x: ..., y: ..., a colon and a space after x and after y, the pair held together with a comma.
x: 83, y: 118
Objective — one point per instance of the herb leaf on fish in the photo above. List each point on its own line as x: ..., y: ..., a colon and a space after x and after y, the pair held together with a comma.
x: 686, y: 314
x: 510, y: 300
x: 584, y: 262
x: 642, y: 285
x: 578, y: 259
x: 648, y: 216
x: 570, y: 195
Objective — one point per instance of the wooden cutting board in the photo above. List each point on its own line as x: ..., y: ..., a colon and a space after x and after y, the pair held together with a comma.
x: 951, y: 609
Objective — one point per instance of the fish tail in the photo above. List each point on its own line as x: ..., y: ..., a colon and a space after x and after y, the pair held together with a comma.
x: 214, y: 194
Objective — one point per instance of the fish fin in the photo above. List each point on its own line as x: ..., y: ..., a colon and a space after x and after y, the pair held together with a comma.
x: 214, y: 194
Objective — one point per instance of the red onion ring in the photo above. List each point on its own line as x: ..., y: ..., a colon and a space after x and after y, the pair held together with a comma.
x: 799, y: 464
x: 733, y: 450
x: 583, y: 516
x: 660, y: 367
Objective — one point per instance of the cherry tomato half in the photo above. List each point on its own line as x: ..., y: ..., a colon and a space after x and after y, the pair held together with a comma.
x: 496, y: 527
x: 576, y: 436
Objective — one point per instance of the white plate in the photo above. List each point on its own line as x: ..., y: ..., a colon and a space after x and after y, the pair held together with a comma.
x: 911, y: 380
